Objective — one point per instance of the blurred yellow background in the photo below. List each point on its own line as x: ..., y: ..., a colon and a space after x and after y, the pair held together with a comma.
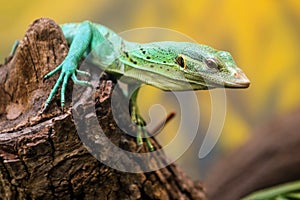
x: 262, y: 36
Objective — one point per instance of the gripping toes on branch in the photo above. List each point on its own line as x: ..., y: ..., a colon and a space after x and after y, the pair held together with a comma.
x: 141, y: 131
x: 68, y: 69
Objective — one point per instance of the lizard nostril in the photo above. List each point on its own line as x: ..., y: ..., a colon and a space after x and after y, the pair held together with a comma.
x: 236, y: 75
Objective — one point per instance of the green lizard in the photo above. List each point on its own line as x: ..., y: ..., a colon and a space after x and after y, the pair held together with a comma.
x: 165, y: 65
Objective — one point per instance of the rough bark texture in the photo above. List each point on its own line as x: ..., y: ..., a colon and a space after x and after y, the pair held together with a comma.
x: 269, y: 158
x: 42, y: 155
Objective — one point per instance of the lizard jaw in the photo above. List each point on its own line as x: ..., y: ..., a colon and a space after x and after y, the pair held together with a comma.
x: 241, y: 80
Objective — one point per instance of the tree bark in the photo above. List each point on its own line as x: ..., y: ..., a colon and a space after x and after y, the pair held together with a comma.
x: 42, y: 156
x: 269, y: 158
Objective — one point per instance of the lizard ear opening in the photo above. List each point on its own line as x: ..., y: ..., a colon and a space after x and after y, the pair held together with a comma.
x: 180, y: 60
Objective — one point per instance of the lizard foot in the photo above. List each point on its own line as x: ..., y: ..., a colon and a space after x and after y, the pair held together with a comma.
x: 68, y: 69
x: 141, y: 132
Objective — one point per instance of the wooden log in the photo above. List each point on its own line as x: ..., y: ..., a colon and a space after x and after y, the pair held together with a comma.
x: 42, y: 156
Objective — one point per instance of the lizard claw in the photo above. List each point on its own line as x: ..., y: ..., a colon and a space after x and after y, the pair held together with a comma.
x: 44, y: 109
x: 62, y: 109
x: 57, y: 69
x: 46, y: 77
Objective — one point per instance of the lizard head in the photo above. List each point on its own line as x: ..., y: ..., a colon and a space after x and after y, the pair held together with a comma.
x: 215, y: 68
x: 182, y: 65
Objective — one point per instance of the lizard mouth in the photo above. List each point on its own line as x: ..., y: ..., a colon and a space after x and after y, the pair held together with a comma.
x: 241, y: 81
x: 237, y: 85
x: 237, y: 80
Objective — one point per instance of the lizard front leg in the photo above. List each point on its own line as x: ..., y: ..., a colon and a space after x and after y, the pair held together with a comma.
x: 68, y: 67
x: 141, y: 131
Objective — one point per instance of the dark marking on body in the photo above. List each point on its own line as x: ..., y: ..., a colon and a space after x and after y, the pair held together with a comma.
x: 133, y: 61
x: 126, y: 54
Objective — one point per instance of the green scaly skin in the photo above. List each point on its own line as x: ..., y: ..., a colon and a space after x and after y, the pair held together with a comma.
x: 165, y: 65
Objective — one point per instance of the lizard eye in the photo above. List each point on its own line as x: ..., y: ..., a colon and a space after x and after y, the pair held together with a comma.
x: 181, y: 61
x: 211, y: 63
